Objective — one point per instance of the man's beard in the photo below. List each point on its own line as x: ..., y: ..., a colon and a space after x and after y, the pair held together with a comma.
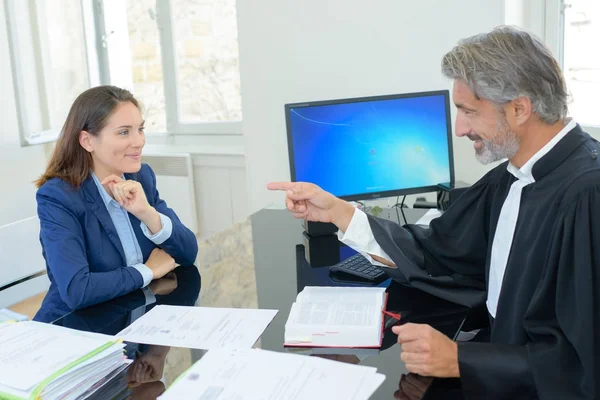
x: 504, y: 145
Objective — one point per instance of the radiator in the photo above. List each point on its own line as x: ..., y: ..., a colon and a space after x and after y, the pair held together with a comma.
x: 175, y: 183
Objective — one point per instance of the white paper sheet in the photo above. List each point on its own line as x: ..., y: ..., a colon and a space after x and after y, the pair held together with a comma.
x: 199, y: 327
x: 259, y: 374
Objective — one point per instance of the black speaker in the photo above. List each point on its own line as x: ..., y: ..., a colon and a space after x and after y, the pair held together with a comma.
x: 448, y: 193
x: 319, y: 228
x: 321, y: 251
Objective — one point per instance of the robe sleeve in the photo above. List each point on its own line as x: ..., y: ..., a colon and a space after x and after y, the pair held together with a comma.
x: 448, y: 259
x: 562, y: 356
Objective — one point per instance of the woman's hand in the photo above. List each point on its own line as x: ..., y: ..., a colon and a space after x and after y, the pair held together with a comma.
x: 160, y: 263
x: 149, y: 366
x: 130, y: 195
x: 165, y: 285
x: 145, y: 391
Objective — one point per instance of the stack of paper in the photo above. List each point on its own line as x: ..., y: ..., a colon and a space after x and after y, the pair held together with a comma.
x: 115, y: 388
x: 51, y: 362
x: 199, y: 327
x: 260, y: 374
x: 9, y: 315
x: 336, y: 317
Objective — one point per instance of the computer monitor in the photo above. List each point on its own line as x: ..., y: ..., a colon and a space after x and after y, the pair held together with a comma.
x: 370, y: 147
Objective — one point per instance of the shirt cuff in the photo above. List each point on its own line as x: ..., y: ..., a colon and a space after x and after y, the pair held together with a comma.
x: 150, y: 298
x: 161, y: 236
x: 360, y: 237
x: 146, y: 272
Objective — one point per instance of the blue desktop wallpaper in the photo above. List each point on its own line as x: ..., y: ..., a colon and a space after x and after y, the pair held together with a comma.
x: 372, y: 146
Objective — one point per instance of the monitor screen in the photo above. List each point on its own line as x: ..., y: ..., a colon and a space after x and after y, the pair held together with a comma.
x: 372, y: 147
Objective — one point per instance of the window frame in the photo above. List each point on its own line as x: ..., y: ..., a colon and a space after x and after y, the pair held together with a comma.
x: 175, y: 125
x: 33, y: 100
x: 554, y: 28
x: 31, y: 69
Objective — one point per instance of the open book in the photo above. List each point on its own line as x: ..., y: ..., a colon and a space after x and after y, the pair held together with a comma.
x: 336, y: 317
x: 43, y: 361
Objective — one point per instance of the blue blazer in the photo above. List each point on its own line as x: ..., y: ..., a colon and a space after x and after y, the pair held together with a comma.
x: 84, y: 256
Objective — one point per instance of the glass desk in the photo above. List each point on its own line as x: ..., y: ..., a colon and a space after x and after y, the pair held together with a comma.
x: 281, y: 270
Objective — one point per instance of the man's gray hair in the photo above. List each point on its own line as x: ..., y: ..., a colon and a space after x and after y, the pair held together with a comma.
x: 507, y: 63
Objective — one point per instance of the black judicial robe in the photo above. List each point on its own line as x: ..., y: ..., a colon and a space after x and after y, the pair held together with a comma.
x: 545, y: 339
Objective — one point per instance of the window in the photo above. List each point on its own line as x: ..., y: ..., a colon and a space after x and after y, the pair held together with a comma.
x: 572, y: 30
x: 66, y: 56
x: 180, y: 59
x: 581, y: 59
x: 135, y: 57
x: 49, y: 63
x: 208, y: 78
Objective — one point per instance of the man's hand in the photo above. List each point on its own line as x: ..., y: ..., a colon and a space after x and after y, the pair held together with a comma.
x: 427, y: 352
x: 310, y: 202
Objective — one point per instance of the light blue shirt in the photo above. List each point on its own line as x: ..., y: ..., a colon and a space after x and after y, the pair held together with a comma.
x: 131, y: 247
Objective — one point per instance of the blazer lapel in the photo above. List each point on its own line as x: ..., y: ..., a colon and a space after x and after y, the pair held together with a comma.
x: 99, y: 209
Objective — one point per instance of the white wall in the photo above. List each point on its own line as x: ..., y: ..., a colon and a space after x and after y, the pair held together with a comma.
x: 19, y: 166
x: 292, y: 51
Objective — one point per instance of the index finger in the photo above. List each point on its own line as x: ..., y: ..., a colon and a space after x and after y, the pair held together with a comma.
x: 282, y: 185
x: 408, y: 332
x: 111, y: 179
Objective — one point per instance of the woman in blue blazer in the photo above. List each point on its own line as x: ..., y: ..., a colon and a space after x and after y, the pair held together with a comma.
x: 104, y: 229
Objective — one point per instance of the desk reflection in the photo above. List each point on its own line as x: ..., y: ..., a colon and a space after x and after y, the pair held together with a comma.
x: 179, y: 288
x: 142, y: 380
x: 412, y: 387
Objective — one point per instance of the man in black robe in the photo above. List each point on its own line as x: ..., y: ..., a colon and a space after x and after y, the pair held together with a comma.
x: 525, y: 238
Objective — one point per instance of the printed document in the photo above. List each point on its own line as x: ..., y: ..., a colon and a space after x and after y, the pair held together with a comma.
x: 199, y: 327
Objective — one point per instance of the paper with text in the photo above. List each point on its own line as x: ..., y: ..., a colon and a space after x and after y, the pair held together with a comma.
x: 32, y: 351
x: 259, y: 374
x: 199, y: 327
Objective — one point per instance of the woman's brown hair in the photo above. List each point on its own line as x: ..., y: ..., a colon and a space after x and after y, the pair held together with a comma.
x: 90, y: 111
